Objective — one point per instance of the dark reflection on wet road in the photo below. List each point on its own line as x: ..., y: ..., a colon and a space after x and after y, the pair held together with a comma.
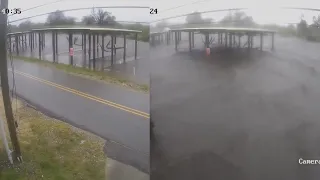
x: 234, y: 116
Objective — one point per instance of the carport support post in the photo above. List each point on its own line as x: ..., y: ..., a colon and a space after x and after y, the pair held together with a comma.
x: 249, y: 41
x: 239, y: 40
x: 272, y: 41
x: 112, y: 48
x: 89, y: 51
x: 251, y: 44
x: 84, y: 44
x: 261, y: 41
x: 53, y: 47
x: 39, y: 44
x: 189, y: 41
x: 98, y: 45
x: 230, y: 39
x: 17, y: 47
x: 44, y: 40
x: 94, y: 51
x: 102, y: 52
x: 82, y: 41
x: 226, y: 39
x: 176, y: 40
x: 31, y: 43
x: 136, y: 46
x: 207, y: 40
x: 124, y: 47
x: 115, y: 44
x: 57, y: 33
x: 70, y: 46
x: 10, y: 50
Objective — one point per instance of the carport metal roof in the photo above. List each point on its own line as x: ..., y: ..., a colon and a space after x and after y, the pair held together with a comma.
x: 88, y: 29
x: 224, y: 29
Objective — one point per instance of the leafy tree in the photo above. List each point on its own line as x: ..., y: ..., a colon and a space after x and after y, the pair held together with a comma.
x: 238, y: 19
x: 196, y: 18
x: 26, y: 25
x: 302, y: 28
x: 58, y: 18
x: 99, y: 17
x: 316, y: 21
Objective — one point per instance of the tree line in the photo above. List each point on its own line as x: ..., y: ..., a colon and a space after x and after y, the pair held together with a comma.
x: 96, y: 18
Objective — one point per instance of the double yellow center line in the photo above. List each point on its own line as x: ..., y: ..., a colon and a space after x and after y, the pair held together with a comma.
x: 85, y: 95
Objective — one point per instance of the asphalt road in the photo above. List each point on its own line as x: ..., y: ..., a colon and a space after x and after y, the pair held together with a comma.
x: 115, y: 113
x: 234, y: 116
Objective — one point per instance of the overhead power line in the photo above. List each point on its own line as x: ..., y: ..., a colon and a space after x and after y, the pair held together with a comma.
x: 24, y: 10
x: 77, y: 9
x: 195, y: 2
x: 202, y: 12
x: 297, y: 8
x: 233, y: 9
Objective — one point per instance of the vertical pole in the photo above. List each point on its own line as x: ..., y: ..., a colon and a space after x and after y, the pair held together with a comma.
x: 124, y: 47
x: 82, y: 41
x: 248, y: 41
x: 239, y: 39
x: 272, y: 39
x: 44, y: 40
x: 84, y: 50
x: 251, y: 39
x: 207, y: 40
x: 53, y: 47
x: 35, y: 36
x: 112, y: 46
x: 230, y: 39
x: 261, y: 41
x: 115, y: 44
x: 189, y: 41
x: 89, y: 51
x: 193, y: 39
x: 57, y: 42
x: 94, y: 51
x: 10, y: 49
x: 16, y: 154
x: 17, y: 46
x: 84, y: 56
x: 136, y: 46
x: 97, y: 45
x: 226, y: 39
x: 176, y: 40
x: 102, y: 52
x: 25, y: 38
x: 31, y: 44
x: 70, y: 46
x: 234, y: 39
x: 39, y: 45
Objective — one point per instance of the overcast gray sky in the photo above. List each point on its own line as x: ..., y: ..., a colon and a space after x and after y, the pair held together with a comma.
x: 262, y: 11
x: 138, y: 15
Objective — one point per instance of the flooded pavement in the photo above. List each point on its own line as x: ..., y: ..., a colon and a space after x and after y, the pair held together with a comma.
x: 234, y: 115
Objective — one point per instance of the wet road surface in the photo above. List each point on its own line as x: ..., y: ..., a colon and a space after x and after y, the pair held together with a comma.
x: 97, y: 107
x: 236, y: 116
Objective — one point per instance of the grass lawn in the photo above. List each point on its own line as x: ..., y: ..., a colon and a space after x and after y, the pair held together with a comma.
x: 98, y: 75
x: 52, y: 149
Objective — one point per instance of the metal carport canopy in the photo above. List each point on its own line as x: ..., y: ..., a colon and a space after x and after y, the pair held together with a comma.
x: 223, y: 29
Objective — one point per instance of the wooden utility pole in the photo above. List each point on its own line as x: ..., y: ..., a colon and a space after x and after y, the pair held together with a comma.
x: 16, y: 154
